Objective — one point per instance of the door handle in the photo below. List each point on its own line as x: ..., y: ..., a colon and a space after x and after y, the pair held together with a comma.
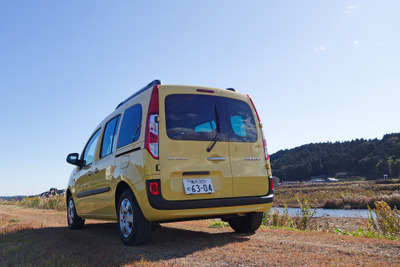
x: 216, y: 158
x: 96, y: 171
x: 89, y: 173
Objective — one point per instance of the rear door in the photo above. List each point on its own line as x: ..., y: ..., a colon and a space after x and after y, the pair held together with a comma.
x: 193, y: 142
x: 250, y: 177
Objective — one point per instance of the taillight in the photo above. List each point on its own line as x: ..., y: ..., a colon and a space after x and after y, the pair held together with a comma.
x: 264, y: 141
x: 251, y: 100
x: 151, y: 142
x: 154, y: 188
x: 271, y: 182
x: 265, y: 146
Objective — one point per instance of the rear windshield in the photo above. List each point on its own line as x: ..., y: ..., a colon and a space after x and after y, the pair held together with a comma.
x: 202, y: 117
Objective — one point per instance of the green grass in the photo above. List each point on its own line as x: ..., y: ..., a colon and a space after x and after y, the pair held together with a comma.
x: 218, y: 224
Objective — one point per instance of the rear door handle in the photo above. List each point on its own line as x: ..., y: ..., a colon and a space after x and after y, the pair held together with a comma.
x: 96, y: 171
x: 216, y: 158
x: 89, y: 173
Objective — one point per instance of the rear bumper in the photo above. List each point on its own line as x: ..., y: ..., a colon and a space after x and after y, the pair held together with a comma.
x: 160, y: 203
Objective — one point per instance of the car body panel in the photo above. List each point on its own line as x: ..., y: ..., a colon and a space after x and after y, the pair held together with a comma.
x: 239, y: 171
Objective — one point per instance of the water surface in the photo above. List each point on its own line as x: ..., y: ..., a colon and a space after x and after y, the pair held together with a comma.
x: 329, y: 212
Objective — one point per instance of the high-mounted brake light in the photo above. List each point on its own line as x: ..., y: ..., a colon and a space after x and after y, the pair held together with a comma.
x: 151, y: 141
x: 205, y: 91
x: 264, y: 140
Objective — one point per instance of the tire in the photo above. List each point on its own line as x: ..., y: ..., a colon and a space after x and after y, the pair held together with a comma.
x: 134, y: 228
x: 246, y: 224
x: 74, y: 221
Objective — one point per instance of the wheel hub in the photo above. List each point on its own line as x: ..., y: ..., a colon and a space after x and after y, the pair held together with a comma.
x: 126, y: 217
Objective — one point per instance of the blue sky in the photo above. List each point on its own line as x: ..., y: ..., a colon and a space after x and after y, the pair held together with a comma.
x: 317, y: 71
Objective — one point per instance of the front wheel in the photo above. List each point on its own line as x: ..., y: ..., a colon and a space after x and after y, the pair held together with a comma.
x: 74, y: 221
x: 134, y: 228
x: 248, y: 223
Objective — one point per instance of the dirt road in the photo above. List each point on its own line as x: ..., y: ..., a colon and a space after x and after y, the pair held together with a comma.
x: 48, y: 241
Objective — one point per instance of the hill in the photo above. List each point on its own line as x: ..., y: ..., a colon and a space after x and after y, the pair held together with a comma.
x: 52, y: 191
x: 368, y: 158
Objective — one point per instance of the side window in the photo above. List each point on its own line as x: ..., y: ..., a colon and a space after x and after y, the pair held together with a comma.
x: 110, y: 134
x: 131, y: 126
x: 241, y: 123
x: 90, y: 149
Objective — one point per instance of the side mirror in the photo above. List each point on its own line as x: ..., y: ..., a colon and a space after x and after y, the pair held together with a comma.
x: 73, y: 159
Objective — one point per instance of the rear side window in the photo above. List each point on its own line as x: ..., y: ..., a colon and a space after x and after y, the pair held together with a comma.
x: 131, y: 126
x: 110, y: 134
x: 194, y: 117
x: 241, y: 123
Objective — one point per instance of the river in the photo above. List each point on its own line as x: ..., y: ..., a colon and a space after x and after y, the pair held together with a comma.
x: 329, y: 212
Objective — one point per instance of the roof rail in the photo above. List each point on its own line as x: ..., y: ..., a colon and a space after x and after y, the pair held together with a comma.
x: 150, y: 85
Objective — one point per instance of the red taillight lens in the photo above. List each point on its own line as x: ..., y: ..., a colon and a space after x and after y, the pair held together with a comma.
x: 151, y: 142
x: 264, y: 141
x: 271, y: 182
x: 154, y: 188
x: 153, y: 107
x: 251, y: 100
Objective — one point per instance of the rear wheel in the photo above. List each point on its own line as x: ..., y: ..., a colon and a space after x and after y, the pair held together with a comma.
x: 74, y: 221
x: 134, y: 228
x: 246, y: 224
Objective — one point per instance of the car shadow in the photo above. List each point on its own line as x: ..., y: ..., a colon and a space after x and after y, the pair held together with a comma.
x: 100, y: 245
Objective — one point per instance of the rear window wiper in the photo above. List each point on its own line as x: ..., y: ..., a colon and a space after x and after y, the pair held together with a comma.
x: 218, y: 129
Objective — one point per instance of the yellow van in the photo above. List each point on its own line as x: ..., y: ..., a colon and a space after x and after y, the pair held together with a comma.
x: 172, y: 153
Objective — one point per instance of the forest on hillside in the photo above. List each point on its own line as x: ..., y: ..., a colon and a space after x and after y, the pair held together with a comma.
x: 367, y: 158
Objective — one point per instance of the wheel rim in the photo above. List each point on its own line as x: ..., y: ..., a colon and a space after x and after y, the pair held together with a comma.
x: 126, y: 217
x: 70, y: 211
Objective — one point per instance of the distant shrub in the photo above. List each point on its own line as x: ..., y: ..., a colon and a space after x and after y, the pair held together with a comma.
x: 56, y: 202
x: 361, y: 202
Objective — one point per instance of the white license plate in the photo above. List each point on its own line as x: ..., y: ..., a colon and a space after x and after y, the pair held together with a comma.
x: 198, y: 186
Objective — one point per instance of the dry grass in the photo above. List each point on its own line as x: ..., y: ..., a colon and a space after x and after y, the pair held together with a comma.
x: 346, y: 195
x: 301, y: 221
x: 10, y: 225
x: 386, y: 221
x: 181, y: 244
x: 191, y: 244
x: 56, y: 202
x: 361, y: 202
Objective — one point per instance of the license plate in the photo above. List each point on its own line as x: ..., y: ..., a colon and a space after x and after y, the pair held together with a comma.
x: 198, y: 186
